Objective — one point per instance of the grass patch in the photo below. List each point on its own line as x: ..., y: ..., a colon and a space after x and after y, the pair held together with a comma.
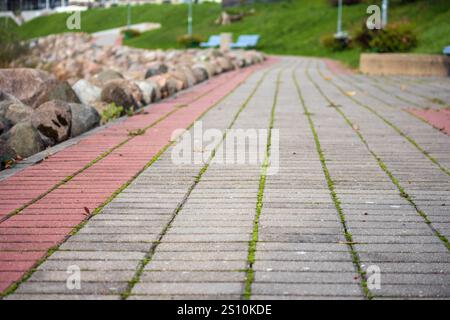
x: 304, y: 23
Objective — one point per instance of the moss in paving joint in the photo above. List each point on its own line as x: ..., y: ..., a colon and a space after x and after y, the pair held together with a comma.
x: 149, y: 256
x: 28, y: 274
x: 432, y: 100
x: 391, y: 176
x: 102, y: 156
x: 250, y: 274
x: 389, y: 123
x: 337, y: 203
x: 11, y: 289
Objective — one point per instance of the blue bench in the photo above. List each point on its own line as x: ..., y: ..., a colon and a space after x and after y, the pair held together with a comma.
x: 447, y: 51
x: 214, y: 41
x: 246, y: 41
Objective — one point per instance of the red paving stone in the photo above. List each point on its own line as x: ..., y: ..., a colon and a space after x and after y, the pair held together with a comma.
x: 33, y: 182
x: 336, y: 67
x: 440, y: 119
x: 25, y: 237
x: 4, y: 285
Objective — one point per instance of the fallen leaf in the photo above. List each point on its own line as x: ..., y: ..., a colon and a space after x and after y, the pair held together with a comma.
x: 351, y: 93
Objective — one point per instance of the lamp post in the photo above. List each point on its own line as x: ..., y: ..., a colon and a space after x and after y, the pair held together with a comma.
x: 129, y: 15
x: 340, y: 34
x: 384, y: 18
x: 190, y: 18
x: 339, y: 23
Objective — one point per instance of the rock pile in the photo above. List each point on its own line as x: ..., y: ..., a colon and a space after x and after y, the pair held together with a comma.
x: 40, y: 108
x: 38, y: 111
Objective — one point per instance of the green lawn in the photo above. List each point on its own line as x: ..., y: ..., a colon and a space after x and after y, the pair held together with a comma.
x: 291, y: 27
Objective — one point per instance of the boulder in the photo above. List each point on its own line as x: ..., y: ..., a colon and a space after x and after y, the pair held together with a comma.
x: 64, y: 92
x: 12, y: 111
x: 6, y: 154
x: 53, y: 120
x: 191, y: 80
x: 16, y: 112
x: 84, y: 118
x: 224, y: 63
x: 208, y: 67
x: 87, y: 92
x: 34, y: 87
x: 24, y: 139
x: 149, y: 91
x: 157, y: 90
x: 180, y: 77
x: 5, y: 100
x: 105, y: 76
x: 200, y: 74
x: 161, y: 85
x: 123, y: 93
x: 173, y: 84
x: 156, y: 69
x: 4, y: 125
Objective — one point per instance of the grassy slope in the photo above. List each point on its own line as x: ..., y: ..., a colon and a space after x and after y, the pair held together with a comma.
x: 291, y: 27
x: 8, y: 23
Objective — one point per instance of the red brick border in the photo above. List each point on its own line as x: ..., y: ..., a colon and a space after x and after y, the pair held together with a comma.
x: 27, y: 236
x: 439, y: 119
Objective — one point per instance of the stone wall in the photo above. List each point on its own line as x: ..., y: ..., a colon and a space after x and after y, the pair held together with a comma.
x: 405, y: 64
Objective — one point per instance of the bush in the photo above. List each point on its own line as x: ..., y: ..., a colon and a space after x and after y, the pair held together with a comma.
x: 11, y: 46
x: 335, y: 44
x: 112, y: 112
x: 187, y: 41
x: 393, y: 38
x: 130, y: 33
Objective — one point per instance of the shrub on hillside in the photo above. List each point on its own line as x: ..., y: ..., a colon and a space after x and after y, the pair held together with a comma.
x: 335, y: 44
x: 11, y: 46
x: 187, y: 41
x: 399, y: 37
x: 130, y: 33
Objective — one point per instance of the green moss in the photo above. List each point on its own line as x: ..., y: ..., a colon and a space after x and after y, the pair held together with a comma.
x: 380, y: 162
x: 148, y: 257
x: 250, y: 276
x: 337, y: 203
x: 390, y: 124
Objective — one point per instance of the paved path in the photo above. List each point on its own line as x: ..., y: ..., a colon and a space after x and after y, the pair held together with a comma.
x: 113, y: 37
x: 362, y: 186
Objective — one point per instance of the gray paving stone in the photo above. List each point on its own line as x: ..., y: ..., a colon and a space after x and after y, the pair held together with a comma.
x: 106, y: 288
x: 187, y: 288
x: 288, y: 289
x: 201, y: 249
x: 306, y: 277
x: 193, y: 276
